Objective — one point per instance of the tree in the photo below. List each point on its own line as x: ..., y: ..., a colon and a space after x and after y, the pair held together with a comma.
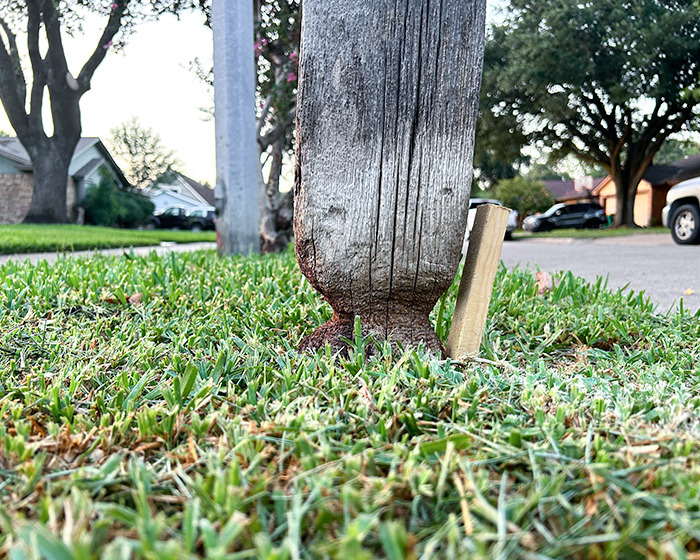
x: 543, y: 172
x: 525, y: 195
x: 608, y: 81
x: 142, y: 151
x: 387, y: 110
x: 278, y: 26
x: 674, y: 150
x: 23, y: 99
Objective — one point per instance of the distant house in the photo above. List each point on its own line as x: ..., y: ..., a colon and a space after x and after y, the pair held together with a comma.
x: 90, y: 160
x: 179, y: 190
x: 651, y: 193
x: 576, y: 190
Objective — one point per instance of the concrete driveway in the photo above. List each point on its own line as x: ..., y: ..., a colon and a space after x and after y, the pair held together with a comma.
x: 652, y: 263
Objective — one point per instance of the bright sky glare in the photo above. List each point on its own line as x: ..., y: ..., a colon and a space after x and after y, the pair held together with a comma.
x: 150, y: 79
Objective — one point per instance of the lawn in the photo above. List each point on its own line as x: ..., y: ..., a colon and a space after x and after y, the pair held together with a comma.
x: 591, y: 233
x: 25, y: 238
x: 156, y: 408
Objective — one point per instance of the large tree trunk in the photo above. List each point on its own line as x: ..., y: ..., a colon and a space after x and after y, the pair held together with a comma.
x: 49, y: 197
x: 386, y: 116
x: 625, y: 193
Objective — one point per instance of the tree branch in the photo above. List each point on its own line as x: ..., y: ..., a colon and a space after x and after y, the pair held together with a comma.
x: 98, y: 55
x: 13, y: 87
x: 39, y: 78
x: 278, y: 131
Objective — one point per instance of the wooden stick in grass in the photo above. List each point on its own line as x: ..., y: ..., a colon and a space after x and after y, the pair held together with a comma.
x: 483, y: 256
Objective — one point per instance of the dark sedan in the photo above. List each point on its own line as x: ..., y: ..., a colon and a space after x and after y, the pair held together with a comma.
x: 580, y: 215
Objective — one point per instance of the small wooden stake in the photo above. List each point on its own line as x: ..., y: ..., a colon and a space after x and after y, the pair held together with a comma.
x: 483, y: 256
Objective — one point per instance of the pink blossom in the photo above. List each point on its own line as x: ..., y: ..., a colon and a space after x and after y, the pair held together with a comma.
x: 291, y: 77
x: 105, y: 47
x: 259, y: 44
x: 293, y: 57
x: 114, y: 7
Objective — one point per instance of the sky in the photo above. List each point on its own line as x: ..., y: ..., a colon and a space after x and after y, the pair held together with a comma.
x: 150, y: 79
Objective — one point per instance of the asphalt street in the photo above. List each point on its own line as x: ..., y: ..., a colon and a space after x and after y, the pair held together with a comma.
x: 652, y: 263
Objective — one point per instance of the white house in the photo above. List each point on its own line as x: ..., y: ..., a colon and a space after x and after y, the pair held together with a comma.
x: 179, y: 190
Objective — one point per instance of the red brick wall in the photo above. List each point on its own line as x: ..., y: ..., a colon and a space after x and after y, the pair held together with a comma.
x: 16, y: 196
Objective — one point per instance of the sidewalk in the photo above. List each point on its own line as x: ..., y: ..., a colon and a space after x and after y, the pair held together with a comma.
x: 162, y: 249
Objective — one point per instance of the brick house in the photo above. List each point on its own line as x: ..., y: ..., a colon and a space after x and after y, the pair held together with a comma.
x: 575, y: 190
x: 90, y: 160
x: 652, y: 190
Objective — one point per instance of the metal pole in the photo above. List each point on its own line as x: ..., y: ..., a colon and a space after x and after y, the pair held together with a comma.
x: 237, y: 164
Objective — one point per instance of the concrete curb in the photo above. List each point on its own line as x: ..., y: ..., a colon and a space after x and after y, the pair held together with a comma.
x: 162, y: 249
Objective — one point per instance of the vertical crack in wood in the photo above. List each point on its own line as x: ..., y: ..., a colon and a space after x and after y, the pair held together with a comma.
x: 399, y: 82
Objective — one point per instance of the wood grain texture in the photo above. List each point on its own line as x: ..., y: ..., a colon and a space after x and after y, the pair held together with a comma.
x: 476, y: 286
x: 388, y: 95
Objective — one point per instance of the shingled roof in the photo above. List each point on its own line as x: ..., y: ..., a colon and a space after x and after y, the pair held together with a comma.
x: 674, y: 172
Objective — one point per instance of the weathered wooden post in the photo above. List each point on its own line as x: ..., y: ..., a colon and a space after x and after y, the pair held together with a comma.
x: 388, y: 95
x: 237, y: 164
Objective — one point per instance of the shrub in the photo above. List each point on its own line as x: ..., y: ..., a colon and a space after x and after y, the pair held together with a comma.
x: 524, y: 195
x: 108, y: 205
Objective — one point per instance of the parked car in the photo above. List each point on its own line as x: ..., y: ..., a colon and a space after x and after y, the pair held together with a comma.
x: 682, y: 212
x: 178, y: 217
x: 474, y: 203
x: 203, y: 218
x: 580, y: 215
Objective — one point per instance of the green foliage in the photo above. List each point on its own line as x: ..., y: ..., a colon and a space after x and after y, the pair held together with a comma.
x: 142, y: 152
x: 33, y: 238
x: 187, y: 425
x: 543, y: 172
x: 674, y: 150
x: 107, y: 205
x: 527, y: 196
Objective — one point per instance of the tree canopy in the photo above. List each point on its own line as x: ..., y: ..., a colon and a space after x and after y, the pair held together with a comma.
x: 525, y: 195
x: 142, y: 150
x: 24, y: 83
x: 606, y: 80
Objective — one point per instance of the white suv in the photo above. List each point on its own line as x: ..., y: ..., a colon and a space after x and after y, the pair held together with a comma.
x: 682, y: 212
x: 474, y: 203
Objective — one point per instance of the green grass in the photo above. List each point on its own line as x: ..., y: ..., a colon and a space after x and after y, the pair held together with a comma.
x: 25, y: 238
x: 189, y: 427
x: 591, y: 233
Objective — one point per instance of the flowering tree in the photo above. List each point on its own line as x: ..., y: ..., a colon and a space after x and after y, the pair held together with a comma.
x: 276, y: 52
x: 23, y: 96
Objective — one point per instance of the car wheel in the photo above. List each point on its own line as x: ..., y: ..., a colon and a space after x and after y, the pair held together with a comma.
x: 685, y: 225
x: 592, y: 224
x: 151, y: 224
x: 196, y: 228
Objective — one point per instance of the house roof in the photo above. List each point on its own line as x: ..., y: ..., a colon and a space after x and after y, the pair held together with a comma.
x: 674, y: 172
x: 12, y: 149
x: 668, y: 175
x: 205, y: 192
x: 570, y: 190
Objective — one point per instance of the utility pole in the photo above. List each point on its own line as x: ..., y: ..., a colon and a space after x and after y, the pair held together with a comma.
x: 237, y: 166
